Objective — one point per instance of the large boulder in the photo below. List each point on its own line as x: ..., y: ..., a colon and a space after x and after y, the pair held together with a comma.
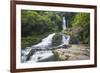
x: 57, y: 40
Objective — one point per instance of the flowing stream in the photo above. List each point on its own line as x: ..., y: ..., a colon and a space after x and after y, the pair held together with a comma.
x: 42, y: 51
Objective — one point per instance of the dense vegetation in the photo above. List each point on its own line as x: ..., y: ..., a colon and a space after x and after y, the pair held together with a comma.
x: 82, y: 20
x: 36, y: 25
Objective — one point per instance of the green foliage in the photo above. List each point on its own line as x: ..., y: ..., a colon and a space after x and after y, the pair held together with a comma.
x: 28, y: 41
x: 32, y: 40
x: 67, y: 32
x: 82, y: 20
x: 39, y: 22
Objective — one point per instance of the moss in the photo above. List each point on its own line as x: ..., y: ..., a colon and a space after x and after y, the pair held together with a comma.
x: 58, y: 57
x: 57, y: 39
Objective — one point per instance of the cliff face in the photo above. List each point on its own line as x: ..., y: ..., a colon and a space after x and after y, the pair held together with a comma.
x: 75, y: 52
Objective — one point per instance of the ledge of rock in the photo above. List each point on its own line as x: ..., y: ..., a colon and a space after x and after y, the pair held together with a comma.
x: 75, y: 52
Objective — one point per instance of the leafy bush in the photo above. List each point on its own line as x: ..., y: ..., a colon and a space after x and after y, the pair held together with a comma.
x: 32, y: 40
x: 29, y: 41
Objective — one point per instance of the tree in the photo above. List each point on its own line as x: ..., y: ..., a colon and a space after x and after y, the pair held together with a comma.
x: 82, y: 20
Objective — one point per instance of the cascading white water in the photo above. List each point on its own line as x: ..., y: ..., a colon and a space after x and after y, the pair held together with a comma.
x: 65, y: 38
x: 46, y: 42
x: 40, y: 55
x: 64, y: 23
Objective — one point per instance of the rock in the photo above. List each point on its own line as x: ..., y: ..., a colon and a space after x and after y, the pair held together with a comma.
x: 74, y: 34
x: 74, y: 40
x: 57, y: 39
x: 62, y: 46
x: 75, y: 52
x: 32, y: 51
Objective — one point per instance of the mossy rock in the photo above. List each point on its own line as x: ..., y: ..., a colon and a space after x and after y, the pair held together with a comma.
x: 57, y: 39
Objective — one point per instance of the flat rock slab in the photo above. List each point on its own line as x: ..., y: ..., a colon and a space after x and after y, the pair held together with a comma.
x: 75, y: 52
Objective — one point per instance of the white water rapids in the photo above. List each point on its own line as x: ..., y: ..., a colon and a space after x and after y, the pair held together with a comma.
x: 46, y: 42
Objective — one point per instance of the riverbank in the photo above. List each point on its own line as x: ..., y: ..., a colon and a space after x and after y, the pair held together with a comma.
x: 74, y: 52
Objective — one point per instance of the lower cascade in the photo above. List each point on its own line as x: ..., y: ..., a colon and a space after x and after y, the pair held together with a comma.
x: 43, y: 53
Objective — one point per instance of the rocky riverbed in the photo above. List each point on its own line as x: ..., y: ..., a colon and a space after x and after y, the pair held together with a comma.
x: 74, y: 52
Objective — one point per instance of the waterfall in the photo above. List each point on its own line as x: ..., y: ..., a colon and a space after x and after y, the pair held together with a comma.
x: 42, y: 51
x: 65, y: 38
x: 46, y: 42
x: 42, y: 54
x: 64, y: 23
